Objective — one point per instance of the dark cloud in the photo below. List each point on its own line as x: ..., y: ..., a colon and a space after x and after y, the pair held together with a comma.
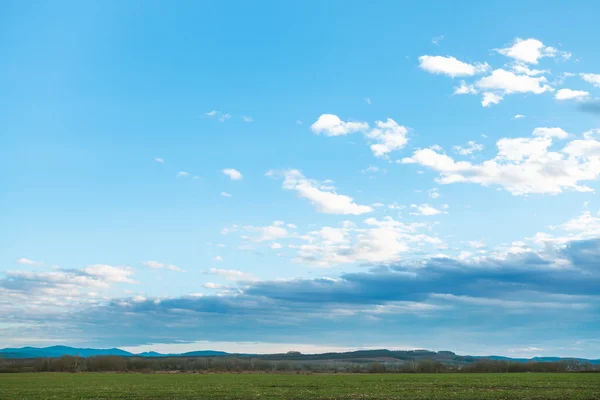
x: 592, y: 107
x: 427, y: 304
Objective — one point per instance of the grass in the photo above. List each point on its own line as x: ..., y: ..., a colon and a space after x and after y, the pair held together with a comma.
x: 87, y: 386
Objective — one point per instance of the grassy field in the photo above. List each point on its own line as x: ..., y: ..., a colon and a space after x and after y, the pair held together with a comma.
x: 62, y: 386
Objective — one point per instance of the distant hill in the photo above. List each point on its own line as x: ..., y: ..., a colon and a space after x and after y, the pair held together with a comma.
x: 445, y: 357
x: 57, y: 351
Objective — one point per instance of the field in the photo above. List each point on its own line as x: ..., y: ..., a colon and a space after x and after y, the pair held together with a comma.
x: 111, y: 386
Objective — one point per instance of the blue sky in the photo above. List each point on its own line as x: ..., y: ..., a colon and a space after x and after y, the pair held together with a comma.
x: 300, y: 175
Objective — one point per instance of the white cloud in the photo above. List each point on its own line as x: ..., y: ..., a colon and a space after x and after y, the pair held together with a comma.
x: 594, y: 79
x: 225, y: 194
x: 465, y: 89
x: 26, y: 261
x: 159, y: 265
x: 518, y: 116
x: 275, y: 231
x: 220, y: 116
x: 523, y: 69
x: 233, y: 174
x: 231, y: 274
x: 476, y: 244
x: 470, y: 148
x: 211, y: 285
x: 247, y: 119
x: 425, y: 210
x: 568, y: 94
x: 110, y: 273
x: 389, y: 135
x: 550, y: 132
x: 368, y: 100
x: 450, y: 66
x: 332, y: 125
x: 371, y: 169
x: 183, y: 174
x: 321, y: 195
x: 591, y: 133
x: 153, y: 264
x: 437, y: 39
x: 378, y: 241
x: 508, y: 82
x: 218, y: 258
x: 276, y: 245
x: 490, y: 98
x: 522, y: 165
x: 224, y: 117
x: 529, y: 51
x: 433, y: 193
x: 298, y: 122
x: 159, y: 160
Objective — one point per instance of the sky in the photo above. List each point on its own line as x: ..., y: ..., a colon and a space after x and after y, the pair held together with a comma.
x: 272, y: 176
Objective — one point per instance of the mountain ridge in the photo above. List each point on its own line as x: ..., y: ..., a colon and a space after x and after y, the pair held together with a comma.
x: 443, y: 356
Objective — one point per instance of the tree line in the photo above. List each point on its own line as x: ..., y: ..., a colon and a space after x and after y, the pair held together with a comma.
x: 249, y: 364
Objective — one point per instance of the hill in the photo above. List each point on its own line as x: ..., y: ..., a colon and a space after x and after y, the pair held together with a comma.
x: 445, y: 357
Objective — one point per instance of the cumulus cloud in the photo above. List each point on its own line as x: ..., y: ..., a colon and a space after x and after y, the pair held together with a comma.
x: 389, y: 137
x: 469, y: 149
x: 322, y: 195
x: 530, y: 51
x: 247, y: 119
x: 276, y: 231
x: 377, y: 240
x: 450, y: 66
x: 332, y: 125
x: 558, y: 133
x: 569, y: 94
x: 517, y: 77
x: 519, y: 116
x: 508, y: 82
x: 434, y: 193
x: 464, y: 88
x: 183, y: 174
x: 594, y: 79
x: 490, y: 98
x: 522, y: 165
x: 233, y: 174
x: 523, y: 69
x: 110, y: 273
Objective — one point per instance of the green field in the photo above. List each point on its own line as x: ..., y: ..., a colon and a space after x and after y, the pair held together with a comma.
x: 64, y: 386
